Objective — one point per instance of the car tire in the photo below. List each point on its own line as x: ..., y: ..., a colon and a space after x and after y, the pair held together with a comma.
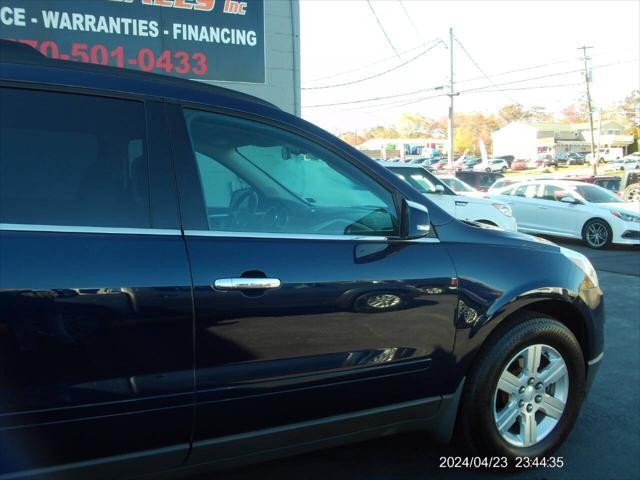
x: 632, y: 193
x: 488, y: 170
x: 597, y: 233
x: 503, y: 169
x: 481, y: 426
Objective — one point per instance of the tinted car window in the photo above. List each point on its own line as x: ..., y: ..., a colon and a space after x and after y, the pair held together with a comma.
x: 527, y: 190
x: 72, y: 160
x: 262, y: 179
x: 610, y: 184
x: 595, y: 194
x: 553, y: 192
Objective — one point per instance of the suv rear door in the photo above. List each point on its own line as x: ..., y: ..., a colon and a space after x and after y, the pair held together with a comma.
x: 96, y: 351
x: 305, y: 309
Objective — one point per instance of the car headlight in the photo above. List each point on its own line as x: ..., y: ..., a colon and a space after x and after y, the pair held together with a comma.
x: 504, y: 209
x: 583, y: 264
x: 626, y: 216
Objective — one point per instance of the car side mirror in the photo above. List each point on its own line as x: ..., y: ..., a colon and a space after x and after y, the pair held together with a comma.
x: 416, y: 222
x: 439, y: 189
x: 569, y: 199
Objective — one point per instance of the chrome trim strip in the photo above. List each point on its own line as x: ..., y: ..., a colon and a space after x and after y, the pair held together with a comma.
x: 18, y: 227
x: 292, y: 236
x: 86, y: 229
x: 302, y: 236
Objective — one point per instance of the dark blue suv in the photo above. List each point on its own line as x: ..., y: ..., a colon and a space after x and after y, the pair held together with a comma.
x: 190, y: 278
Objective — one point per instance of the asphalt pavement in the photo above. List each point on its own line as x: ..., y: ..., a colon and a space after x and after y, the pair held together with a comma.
x: 604, y: 444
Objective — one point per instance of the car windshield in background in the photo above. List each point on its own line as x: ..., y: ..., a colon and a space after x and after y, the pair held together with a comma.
x: 457, y: 185
x: 595, y: 194
x: 420, y: 179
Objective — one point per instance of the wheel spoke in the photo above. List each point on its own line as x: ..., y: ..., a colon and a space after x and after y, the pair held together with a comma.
x: 552, y: 406
x: 508, y: 383
x: 532, y: 357
x: 507, y: 417
x: 528, y: 429
x: 553, y: 372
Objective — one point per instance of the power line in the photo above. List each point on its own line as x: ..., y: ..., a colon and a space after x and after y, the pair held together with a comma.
x: 524, y: 69
x: 518, y: 70
x: 382, y: 29
x: 379, y: 74
x: 370, y: 64
x: 481, y: 70
x: 482, y: 89
x: 536, y: 87
x: 413, y: 25
x: 557, y: 74
x: 364, y: 100
x: 421, y: 99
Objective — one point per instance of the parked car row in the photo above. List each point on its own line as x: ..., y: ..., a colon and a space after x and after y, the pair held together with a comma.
x: 571, y: 207
x: 572, y: 158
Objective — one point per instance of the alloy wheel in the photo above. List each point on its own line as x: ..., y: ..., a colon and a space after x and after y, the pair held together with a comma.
x: 597, y: 234
x: 531, y: 395
x: 383, y: 301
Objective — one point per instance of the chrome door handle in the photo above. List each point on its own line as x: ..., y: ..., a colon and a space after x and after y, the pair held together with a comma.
x: 461, y: 204
x: 246, y: 283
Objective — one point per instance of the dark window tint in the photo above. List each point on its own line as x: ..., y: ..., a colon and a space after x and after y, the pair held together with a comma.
x: 554, y: 193
x: 72, y: 160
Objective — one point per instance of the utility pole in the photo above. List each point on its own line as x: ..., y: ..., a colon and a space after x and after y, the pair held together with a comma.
x: 451, y: 95
x: 587, y: 79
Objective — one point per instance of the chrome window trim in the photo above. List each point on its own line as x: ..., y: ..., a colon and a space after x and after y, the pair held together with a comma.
x: 19, y: 227
x: 298, y: 236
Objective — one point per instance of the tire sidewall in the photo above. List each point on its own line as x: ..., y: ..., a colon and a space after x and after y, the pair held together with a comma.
x: 481, y: 423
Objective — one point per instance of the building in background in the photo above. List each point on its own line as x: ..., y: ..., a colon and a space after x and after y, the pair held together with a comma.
x: 250, y: 46
x: 528, y: 140
x: 404, y: 149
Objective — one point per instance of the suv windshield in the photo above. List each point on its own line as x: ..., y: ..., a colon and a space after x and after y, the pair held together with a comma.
x: 595, y: 194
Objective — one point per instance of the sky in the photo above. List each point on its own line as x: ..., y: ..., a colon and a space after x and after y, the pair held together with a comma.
x: 341, y: 42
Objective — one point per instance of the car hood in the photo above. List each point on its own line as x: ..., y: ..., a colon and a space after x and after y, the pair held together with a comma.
x: 481, y: 199
x: 473, y: 232
x: 632, y: 208
x: 473, y: 195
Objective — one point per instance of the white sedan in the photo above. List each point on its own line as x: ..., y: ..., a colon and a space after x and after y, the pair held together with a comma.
x: 631, y: 163
x: 474, y: 209
x: 573, y: 209
x: 492, y: 165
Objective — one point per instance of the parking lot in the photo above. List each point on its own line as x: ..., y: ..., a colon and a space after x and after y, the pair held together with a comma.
x: 605, y: 443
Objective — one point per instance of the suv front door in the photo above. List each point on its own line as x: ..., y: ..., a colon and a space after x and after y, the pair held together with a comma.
x: 305, y: 309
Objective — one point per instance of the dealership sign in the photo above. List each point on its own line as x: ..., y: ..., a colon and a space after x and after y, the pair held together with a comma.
x: 199, y: 39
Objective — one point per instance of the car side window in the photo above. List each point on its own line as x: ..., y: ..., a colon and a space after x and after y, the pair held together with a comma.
x: 259, y: 178
x: 553, y: 193
x: 72, y: 160
x: 527, y: 190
